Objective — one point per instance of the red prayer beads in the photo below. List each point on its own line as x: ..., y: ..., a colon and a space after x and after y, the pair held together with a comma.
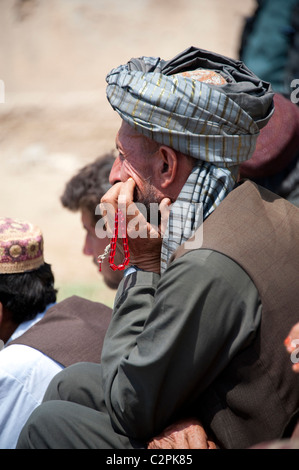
x: 119, y: 222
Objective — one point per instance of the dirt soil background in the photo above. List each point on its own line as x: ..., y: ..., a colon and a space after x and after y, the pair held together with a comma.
x: 54, y: 115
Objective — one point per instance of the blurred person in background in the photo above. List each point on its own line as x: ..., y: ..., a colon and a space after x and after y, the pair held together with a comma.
x: 83, y: 193
x: 275, y: 161
x: 269, y: 44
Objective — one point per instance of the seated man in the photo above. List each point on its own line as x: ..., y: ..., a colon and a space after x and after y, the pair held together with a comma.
x: 83, y: 193
x: 196, y: 320
x: 41, y: 337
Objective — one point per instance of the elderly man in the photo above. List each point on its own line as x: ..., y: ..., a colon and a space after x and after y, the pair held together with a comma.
x: 196, y: 323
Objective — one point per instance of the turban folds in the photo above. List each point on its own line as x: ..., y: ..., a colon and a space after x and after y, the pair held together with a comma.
x: 204, y: 105
x: 217, y: 123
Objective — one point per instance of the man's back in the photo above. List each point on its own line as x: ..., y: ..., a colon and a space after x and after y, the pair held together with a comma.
x: 260, y: 232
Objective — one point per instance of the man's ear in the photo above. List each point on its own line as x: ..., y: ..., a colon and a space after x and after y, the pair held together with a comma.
x: 168, y: 164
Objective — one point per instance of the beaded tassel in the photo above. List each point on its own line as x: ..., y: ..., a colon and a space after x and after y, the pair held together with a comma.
x: 103, y: 256
x: 118, y: 222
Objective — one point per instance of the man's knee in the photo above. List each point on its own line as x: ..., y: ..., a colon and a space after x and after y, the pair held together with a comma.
x: 31, y: 434
x: 64, y: 425
x: 59, y: 386
x: 76, y: 384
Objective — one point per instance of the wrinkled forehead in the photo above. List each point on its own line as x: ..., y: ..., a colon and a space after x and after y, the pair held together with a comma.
x: 127, y: 130
x: 128, y: 137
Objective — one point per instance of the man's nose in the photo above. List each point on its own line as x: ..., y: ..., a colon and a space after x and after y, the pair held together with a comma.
x: 114, y: 176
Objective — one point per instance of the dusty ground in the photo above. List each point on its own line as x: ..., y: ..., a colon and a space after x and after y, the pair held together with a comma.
x: 54, y: 57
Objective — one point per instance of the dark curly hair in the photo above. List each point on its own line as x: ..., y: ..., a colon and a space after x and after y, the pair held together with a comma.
x: 86, y: 188
x: 26, y: 294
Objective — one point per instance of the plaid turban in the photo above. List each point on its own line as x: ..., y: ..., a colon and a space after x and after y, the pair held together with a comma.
x: 218, y: 124
x: 216, y: 121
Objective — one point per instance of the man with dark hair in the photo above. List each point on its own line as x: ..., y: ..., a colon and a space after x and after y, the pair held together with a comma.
x: 24, y: 296
x: 83, y: 193
x: 40, y: 336
x: 198, y: 322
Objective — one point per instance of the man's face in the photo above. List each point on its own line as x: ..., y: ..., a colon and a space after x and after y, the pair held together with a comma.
x: 95, y: 246
x: 136, y: 159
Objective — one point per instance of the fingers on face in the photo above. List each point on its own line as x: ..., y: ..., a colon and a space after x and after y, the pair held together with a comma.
x: 124, y: 191
x: 119, y: 196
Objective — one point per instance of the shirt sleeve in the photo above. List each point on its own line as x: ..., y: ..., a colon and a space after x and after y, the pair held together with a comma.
x: 24, y: 376
x: 170, y: 337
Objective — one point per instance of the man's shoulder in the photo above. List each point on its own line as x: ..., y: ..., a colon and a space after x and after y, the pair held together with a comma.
x: 17, y: 360
x: 208, y: 265
x: 77, y: 306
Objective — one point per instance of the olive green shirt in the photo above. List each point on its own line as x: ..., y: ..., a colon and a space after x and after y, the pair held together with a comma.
x: 170, y: 336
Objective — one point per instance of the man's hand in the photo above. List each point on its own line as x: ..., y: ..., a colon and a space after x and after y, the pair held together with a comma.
x: 184, y: 434
x: 144, y: 238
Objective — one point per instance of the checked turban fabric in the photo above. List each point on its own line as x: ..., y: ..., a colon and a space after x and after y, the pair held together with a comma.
x: 201, y: 104
x: 215, y: 123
